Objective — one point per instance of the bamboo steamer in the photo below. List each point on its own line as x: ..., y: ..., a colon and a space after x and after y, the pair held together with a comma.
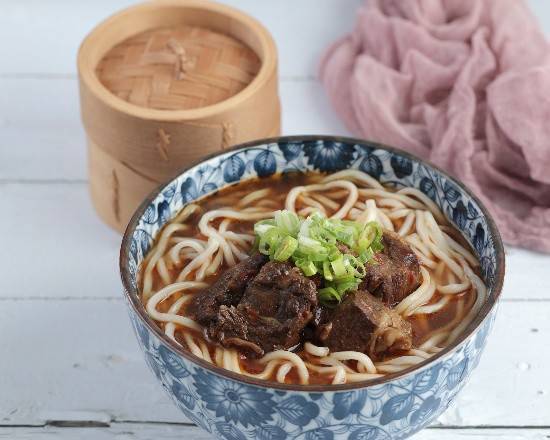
x: 165, y: 83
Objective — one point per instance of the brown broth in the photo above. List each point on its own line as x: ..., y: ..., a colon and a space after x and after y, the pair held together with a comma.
x: 423, y: 325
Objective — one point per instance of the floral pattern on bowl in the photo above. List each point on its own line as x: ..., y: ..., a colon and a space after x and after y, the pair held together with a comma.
x: 235, y: 408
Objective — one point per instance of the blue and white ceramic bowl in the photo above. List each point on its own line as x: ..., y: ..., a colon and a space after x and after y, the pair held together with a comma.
x: 235, y: 407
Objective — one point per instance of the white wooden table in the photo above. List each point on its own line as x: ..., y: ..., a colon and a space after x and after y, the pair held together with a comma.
x: 69, y: 364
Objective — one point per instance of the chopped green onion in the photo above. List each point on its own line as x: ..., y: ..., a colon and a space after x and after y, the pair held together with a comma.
x: 338, y: 267
x: 268, y: 241
x: 371, y: 236
x: 357, y: 266
x: 314, y: 245
x: 306, y: 266
x: 366, y: 256
x: 288, y: 222
x: 261, y: 229
x: 313, y: 248
x: 327, y: 273
x: 334, y: 253
x: 329, y: 296
x: 345, y: 286
x: 285, y: 249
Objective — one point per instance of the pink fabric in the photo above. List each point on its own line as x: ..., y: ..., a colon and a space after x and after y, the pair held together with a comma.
x: 463, y: 83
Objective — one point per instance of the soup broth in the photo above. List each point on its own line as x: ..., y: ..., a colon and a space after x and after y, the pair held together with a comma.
x: 215, y: 233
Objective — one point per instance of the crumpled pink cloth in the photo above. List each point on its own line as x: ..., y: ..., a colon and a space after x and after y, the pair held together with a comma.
x: 463, y: 83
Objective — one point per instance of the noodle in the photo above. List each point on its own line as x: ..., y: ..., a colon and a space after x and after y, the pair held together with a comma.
x: 340, y: 376
x: 361, y: 358
x: 296, y: 361
x: 200, y: 242
x: 283, y: 371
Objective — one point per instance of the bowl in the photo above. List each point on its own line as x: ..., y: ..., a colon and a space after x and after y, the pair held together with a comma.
x: 235, y: 407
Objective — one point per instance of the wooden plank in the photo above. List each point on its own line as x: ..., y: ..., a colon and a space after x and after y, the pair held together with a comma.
x: 42, y: 135
x: 302, y: 31
x: 482, y: 434
x: 306, y: 110
x: 77, y: 361
x: 527, y: 275
x: 139, y: 431
x: 76, y: 255
x: 511, y: 386
x: 59, y: 247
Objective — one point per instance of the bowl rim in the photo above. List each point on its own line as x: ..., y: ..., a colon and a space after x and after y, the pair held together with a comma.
x: 132, y: 294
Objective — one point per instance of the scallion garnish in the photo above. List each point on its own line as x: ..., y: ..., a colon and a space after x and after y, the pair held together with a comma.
x: 336, y: 249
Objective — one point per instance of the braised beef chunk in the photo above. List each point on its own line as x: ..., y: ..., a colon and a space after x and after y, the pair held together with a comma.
x: 259, y: 306
x: 227, y: 290
x: 317, y: 329
x: 274, y: 310
x: 394, y: 273
x: 363, y: 323
x: 280, y: 290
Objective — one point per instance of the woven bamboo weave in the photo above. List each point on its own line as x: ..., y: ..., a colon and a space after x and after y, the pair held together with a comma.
x: 178, y: 68
x: 165, y: 83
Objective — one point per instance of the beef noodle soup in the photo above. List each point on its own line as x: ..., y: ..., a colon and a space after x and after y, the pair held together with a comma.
x: 312, y: 279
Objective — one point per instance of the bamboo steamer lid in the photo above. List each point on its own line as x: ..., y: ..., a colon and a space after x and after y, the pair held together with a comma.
x: 165, y: 83
x: 178, y: 68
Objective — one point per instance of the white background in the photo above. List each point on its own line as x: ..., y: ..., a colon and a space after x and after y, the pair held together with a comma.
x: 69, y: 365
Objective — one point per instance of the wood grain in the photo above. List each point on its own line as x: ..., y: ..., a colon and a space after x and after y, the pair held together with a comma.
x: 301, y: 35
x: 179, y: 67
x: 144, y: 431
x: 94, y: 375
x: 95, y: 372
x: 78, y: 255
x: 55, y: 146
